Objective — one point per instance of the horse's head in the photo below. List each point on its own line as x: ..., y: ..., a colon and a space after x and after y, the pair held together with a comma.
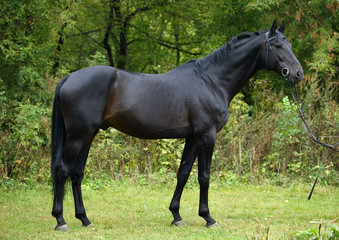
x: 278, y: 55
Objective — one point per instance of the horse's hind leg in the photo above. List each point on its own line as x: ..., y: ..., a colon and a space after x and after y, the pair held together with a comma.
x: 61, y: 172
x: 185, y: 168
x: 77, y: 174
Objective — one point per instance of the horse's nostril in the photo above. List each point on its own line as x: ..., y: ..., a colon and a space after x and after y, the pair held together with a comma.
x: 299, y: 74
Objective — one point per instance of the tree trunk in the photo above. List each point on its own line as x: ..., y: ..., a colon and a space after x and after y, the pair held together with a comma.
x: 105, y: 42
x: 122, y: 44
x: 58, y: 49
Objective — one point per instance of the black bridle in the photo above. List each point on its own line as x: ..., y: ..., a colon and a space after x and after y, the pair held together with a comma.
x: 285, y: 72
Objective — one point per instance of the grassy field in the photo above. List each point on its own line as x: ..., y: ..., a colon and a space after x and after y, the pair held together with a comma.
x: 131, y: 210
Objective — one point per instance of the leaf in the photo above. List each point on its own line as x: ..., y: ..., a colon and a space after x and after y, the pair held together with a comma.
x: 299, y: 15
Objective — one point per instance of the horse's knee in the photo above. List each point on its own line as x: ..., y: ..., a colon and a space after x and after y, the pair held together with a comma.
x: 60, y: 172
x: 204, y: 180
x: 182, y: 177
x: 76, y: 176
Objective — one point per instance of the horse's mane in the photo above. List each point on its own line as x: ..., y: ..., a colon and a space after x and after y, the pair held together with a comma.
x: 227, y: 48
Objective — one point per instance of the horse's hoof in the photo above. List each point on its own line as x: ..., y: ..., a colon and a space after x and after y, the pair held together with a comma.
x: 214, y: 225
x: 63, y: 228
x: 89, y: 225
x: 179, y: 223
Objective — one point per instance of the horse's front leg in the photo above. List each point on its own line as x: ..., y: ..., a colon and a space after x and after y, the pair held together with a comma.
x: 205, y: 152
x: 185, y: 168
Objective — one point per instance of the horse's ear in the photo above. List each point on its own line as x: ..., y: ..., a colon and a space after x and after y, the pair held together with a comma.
x: 274, y: 27
x: 282, y: 27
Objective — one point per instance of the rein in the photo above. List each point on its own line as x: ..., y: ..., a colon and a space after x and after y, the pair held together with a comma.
x: 307, y: 129
x: 285, y: 72
x: 311, y: 135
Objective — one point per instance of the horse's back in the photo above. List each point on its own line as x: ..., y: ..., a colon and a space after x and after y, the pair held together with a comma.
x: 83, y: 79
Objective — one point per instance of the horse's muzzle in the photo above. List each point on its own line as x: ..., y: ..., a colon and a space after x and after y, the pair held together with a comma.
x: 293, y: 76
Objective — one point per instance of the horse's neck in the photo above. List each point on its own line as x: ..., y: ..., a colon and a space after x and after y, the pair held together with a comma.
x: 237, y: 67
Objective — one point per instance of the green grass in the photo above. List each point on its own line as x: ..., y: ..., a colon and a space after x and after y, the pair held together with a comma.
x: 130, y: 210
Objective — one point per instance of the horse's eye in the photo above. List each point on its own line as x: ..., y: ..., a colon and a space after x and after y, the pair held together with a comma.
x: 278, y: 45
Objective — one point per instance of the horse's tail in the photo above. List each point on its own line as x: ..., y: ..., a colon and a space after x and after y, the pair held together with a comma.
x: 58, y: 131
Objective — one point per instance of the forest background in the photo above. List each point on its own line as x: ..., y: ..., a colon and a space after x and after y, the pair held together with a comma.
x: 42, y: 41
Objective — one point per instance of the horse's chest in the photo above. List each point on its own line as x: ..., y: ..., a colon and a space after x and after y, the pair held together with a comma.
x: 218, y: 110
x: 221, y: 119
x: 214, y: 112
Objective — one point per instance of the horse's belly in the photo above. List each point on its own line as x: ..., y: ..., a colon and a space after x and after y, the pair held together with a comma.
x: 149, y: 126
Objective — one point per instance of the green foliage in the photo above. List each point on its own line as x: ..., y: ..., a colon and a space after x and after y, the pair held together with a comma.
x: 307, y: 235
x: 231, y: 139
x: 3, y: 101
x: 286, y: 137
x: 260, y: 6
x: 323, y: 60
x: 29, y: 125
x: 24, y: 140
x: 287, y: 126
x: 97, y: 59
x: 334, y: 233
x: 330, y: 232
x: 118, y: 155
x: 24, y: 47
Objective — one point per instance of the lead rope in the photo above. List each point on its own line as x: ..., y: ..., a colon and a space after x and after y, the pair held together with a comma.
x: 311, y: 135
x: 316, y: 180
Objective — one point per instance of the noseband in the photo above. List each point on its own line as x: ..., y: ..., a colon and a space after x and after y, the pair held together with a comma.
x: 284, y: 70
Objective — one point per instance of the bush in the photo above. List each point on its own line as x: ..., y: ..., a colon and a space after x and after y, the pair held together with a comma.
x: 25, y: 143
x: 329, y: 233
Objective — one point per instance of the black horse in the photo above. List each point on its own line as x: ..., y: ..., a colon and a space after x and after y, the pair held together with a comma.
x: 190, y: 101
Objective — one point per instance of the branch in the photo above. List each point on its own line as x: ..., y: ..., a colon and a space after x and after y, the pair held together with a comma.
x: 144, y: 9
x: 135, y: 40
x: 114, y: 38
x: 89, y: 36
x: 170, y: 44
x: 180, y: 44
x: 131, y: 15
x: 85, y: 33
x: 177, y: 48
